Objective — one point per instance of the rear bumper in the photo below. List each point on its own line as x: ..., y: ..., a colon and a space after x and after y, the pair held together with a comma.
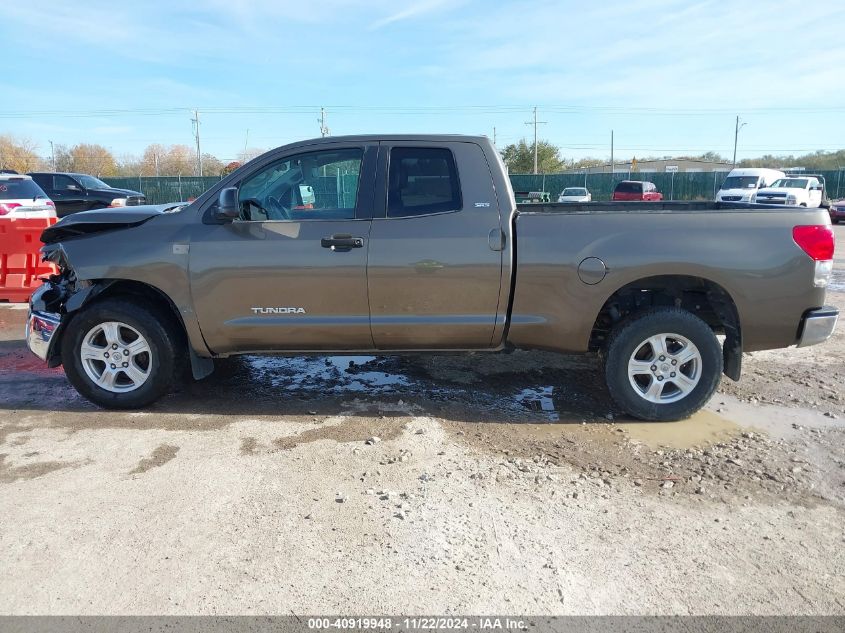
x: 817, y: 326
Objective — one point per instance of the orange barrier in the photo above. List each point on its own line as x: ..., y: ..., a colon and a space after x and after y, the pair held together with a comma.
x: 20, y: 262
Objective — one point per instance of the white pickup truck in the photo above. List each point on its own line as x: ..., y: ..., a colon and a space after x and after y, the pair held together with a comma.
x: 800, y: 191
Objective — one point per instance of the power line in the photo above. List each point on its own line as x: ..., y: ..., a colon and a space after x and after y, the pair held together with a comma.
x: 535, y: 123
x: 324, y: 129
x: 417, y: 110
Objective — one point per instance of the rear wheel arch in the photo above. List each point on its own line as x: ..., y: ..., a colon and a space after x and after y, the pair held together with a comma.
x: 702, y: 297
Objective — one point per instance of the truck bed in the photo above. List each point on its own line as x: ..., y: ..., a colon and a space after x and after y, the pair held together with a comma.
x: 571, y: 257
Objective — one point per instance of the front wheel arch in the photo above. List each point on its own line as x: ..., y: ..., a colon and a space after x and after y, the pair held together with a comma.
x: 103, y: 289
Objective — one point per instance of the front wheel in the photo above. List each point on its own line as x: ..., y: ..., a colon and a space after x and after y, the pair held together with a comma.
x: 662, y: 365
x: 120, y: 354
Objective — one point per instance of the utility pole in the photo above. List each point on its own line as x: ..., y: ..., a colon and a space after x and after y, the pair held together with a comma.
x: 611, y: 154
x: 52, y: 155
x: 155, y: 160
x: 494, y: 135
x: 736, y: 135
x: 246, y: 142
x: 324, y: 129
x: 535, y: 123
x: 196, y: 125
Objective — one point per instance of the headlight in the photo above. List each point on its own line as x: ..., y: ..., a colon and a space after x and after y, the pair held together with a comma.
x: 118, y: 202
x: 791, y: 199
x: 753, y: 198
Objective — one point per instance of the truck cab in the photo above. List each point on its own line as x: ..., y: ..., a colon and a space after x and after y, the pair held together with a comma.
x: 797, y: 191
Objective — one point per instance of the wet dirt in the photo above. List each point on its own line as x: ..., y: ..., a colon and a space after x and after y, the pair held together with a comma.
x: 10, y: 474
x: 160, y: 456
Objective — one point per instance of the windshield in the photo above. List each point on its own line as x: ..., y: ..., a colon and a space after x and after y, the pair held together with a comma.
x: 791, y: 183
x: 574, y: 191
x: 20, y: 189
x: 740, y: 182
x: 89, y: 182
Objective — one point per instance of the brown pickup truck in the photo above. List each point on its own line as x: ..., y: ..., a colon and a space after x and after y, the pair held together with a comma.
x: 406, y: 243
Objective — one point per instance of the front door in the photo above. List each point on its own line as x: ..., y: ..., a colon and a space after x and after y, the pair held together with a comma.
x: 290, y: 274
x: 435, y: 260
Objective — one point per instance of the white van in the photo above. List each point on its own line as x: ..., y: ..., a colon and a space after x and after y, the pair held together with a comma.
x: 742, y: 184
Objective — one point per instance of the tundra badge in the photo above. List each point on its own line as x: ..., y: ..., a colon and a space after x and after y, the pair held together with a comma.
x: 278, y: 310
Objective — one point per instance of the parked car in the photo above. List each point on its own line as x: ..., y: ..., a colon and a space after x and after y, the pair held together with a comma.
x: 435, y: 255
x: 81, y: 192
x: 742, y: 183
x: 800, y: 191
x: 635, y: 190
x: 575, y: 194
x: 21, y: 198
x: 837, y: 211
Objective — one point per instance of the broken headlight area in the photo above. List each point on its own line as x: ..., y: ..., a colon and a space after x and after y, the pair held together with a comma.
x: 56, y: 289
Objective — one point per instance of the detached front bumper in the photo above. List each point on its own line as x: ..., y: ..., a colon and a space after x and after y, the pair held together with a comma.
x: 40, y: 328
x: 817, y: 326
x: 41, y: 324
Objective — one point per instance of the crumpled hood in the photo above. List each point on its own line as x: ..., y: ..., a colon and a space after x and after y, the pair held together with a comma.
x: 87, y: 222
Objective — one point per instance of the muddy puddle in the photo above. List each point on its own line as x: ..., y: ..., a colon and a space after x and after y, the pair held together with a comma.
x: 702, y: 429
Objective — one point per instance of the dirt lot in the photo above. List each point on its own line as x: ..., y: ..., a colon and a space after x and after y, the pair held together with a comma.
x: 424, y: 485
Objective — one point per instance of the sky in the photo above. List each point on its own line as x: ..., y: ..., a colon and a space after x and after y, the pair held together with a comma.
x: 667, y: 76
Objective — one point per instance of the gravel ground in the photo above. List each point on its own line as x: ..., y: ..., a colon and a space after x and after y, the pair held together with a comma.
x: 447, y: 484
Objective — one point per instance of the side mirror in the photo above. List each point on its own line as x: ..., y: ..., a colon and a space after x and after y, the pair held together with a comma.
x: 227, y: 204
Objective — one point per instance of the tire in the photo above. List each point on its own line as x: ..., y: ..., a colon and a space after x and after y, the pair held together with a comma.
x: 139, y: 377
x: 669, y: 392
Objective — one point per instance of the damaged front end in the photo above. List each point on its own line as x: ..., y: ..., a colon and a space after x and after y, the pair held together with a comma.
x: 62, y: 294
x: 49, y: 305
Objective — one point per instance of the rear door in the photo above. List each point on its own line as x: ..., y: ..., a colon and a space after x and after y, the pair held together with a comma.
x: 435, y: 259
x: 291, y: 273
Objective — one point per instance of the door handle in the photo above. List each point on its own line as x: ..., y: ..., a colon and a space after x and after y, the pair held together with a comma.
x: 342, y: 243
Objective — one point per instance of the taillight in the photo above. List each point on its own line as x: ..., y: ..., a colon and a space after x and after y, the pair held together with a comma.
x: 8, y: 207
x: 817, y: 241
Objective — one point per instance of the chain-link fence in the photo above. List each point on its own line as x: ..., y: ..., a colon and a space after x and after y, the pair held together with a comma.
x: 679, y: 186
x: 328, y: 190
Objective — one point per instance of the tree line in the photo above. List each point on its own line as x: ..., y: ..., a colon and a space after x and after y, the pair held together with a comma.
x: 90, y: 158
x: 22, y: 155
x: 519, y: 158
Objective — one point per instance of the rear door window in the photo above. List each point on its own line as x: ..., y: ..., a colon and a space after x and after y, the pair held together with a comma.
x: 422, y: 181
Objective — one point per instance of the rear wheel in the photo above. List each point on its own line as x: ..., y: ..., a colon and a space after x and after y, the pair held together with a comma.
x: 120, y: 354
x: 663, y: 364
